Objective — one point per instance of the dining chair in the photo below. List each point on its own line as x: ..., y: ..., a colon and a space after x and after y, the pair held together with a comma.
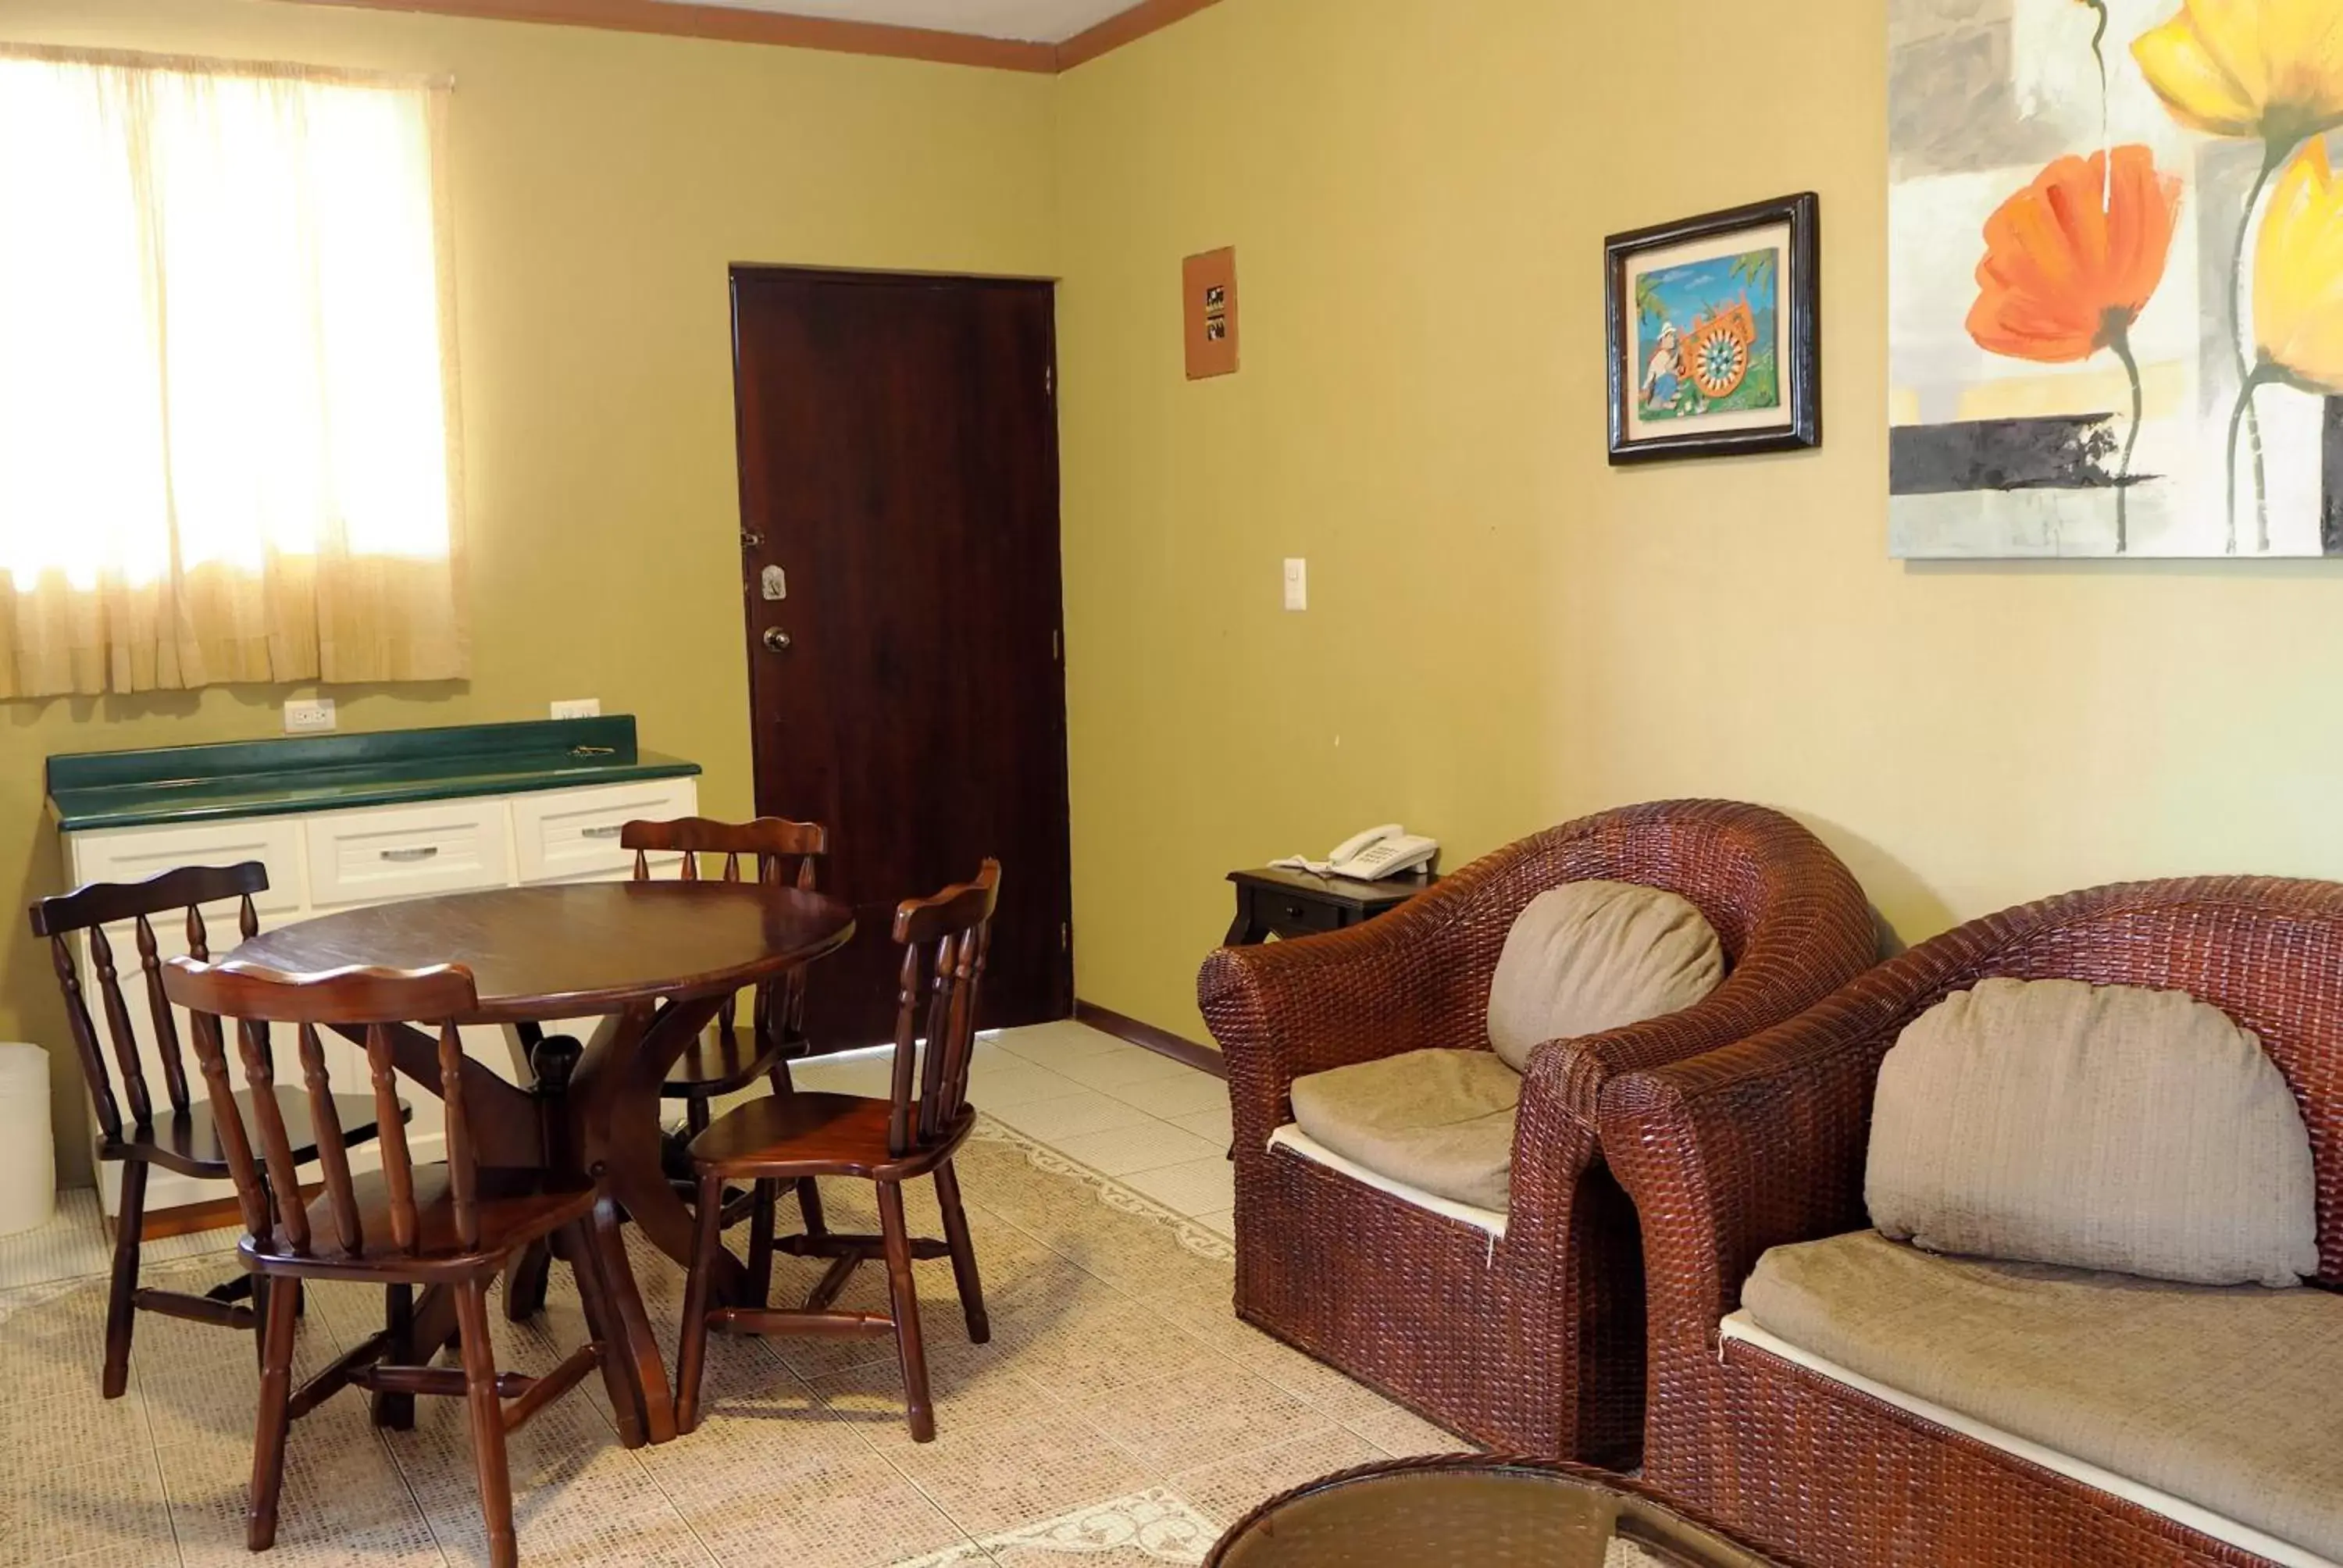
x: 726, y: 1060
x: 448, y: 1226
x: 179, y: 1135
x: 913, y: 1133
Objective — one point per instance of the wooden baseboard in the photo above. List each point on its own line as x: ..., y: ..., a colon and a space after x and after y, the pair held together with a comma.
x: 1161, y: 1041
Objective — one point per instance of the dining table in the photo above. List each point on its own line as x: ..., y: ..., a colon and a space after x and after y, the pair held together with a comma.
x: 654, y: 963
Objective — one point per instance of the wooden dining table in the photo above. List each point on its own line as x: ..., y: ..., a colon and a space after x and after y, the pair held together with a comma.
x: 654, y: 962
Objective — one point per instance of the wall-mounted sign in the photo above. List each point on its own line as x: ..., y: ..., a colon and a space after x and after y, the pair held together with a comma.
x: 1209, y: 286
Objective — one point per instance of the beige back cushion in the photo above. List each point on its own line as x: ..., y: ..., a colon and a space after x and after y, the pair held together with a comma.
x: 1591, y: 956
x: 2098, y: 1127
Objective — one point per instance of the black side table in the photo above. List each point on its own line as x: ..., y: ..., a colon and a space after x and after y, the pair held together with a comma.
x: 1274, y: 902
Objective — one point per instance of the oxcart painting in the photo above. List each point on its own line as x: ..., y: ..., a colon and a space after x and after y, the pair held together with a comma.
x: 2116, y: 278
x: 1713, y: 333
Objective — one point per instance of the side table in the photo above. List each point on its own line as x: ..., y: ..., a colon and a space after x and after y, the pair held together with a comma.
x: 1280, y: 903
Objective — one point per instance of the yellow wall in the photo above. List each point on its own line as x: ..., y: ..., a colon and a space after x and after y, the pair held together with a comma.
x: 602, y: 183
x: 1505, y: 632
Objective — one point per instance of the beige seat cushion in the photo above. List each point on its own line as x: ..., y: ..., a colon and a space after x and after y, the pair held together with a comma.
x: 2224, y: 1397
x: 1441, y: 1120
x: 1591, y: 956
x: 2098, y: 1127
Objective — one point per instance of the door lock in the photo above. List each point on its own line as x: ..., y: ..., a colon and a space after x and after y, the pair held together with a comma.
x: 750, y: 538
x: 777, y: 641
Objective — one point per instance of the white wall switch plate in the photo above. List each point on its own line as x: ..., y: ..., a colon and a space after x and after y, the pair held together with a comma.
x: 579, y: 708
x: 1297, y: 583
x: 306, y: 715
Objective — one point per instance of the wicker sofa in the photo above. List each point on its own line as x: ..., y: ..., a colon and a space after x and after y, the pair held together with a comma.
x: 1762, y: 1145
x: 1531, y: 1341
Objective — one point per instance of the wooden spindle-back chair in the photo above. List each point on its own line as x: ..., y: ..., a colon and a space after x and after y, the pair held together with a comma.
x: 447, y: 1226
x: 780, y: 853
x: 913, y: 1133
x: 723, y: 1060
x: 180, y: 1133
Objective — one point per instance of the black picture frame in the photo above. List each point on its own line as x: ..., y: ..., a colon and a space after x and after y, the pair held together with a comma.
x: 1800, y: 331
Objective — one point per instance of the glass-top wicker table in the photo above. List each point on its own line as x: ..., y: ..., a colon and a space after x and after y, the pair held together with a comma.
x: 1472, y: 1509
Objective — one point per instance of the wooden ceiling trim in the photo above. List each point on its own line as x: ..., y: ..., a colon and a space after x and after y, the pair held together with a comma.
x: 1126, y: 27
x: 738, y: 24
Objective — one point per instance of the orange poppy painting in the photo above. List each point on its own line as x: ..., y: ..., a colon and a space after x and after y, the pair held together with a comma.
x: 2105, y: 330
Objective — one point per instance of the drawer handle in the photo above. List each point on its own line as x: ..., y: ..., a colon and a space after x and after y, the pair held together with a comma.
x: 423, y: 853
x: 612, y: 832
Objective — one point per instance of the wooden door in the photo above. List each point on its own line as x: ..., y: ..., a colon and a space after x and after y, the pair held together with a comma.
x: 898, y: 472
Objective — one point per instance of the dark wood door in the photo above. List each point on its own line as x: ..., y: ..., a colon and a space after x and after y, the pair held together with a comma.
x: 898, y: 466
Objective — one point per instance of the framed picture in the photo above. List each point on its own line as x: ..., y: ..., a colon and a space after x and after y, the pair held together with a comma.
x: 2108, y: 275
x: 1714, y: 334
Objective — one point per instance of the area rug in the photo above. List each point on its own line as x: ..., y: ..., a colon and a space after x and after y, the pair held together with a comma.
x: 1120, y: 1417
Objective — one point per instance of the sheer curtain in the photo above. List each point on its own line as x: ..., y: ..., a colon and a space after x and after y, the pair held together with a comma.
x: 228, y: 423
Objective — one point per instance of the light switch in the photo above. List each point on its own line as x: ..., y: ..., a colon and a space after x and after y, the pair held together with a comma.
x: 1297, y: 583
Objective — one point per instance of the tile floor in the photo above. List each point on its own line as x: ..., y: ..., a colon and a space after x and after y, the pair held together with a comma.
x: 1156, y: 1125
x: 1120, y: 1417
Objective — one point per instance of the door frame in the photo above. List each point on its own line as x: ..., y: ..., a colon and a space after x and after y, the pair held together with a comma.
x: 1062, y: 993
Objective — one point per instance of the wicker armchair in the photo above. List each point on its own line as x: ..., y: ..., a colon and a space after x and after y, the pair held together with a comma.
x: 1534, y: 1343
x: 1764, y: 1144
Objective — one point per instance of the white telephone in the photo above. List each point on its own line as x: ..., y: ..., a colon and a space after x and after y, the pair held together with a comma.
x: 1371, y: 856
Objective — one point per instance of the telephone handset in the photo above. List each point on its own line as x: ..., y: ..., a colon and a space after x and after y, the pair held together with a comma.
x: 1372, y: 856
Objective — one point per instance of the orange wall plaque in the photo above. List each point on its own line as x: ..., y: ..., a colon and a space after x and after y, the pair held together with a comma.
x: 1209, y: 283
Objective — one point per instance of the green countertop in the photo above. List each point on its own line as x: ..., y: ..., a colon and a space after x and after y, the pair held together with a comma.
x: 93, y: 789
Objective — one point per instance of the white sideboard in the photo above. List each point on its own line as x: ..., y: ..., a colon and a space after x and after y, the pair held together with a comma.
x: 327, y: 861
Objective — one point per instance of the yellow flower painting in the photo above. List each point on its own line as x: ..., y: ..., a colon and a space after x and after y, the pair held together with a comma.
x: 2271, y: 69
x: 2115, y: 270
x: 2299, y: 277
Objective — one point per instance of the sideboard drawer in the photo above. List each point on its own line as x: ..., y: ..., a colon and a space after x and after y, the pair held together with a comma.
x: 568, y: 835
x: 135, y: 854
x: 388, y: 852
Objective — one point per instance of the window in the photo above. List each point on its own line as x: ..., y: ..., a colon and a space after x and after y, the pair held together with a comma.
x: 227, y: 401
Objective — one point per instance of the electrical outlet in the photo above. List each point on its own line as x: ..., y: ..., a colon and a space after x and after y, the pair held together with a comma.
x: 579, y: 708
x: 1297, y: 583
x: 305, y: 715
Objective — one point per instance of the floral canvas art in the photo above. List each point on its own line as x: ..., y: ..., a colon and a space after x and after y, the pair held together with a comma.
x: 2116, y: 268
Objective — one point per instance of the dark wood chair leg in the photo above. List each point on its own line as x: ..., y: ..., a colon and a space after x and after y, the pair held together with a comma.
x: 809, y: 1205
x: 695, y: 1115
x: 526, y: 1281
x: 963, y: 1254
x: 269, y: 1426
x: 576, y: 1245
x: 121, y: 1299
x: 396, y: 1412
x: 488, y: 1421
x: 692, y: 1343
x: 903, y: 1294
x: 761, y: 1243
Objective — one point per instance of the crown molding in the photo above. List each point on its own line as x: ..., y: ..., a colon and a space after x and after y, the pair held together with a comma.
x: 738, y: 24
x: 1125, y: 27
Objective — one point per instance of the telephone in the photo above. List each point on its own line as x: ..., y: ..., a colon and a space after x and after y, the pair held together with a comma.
x: 1371, y: 856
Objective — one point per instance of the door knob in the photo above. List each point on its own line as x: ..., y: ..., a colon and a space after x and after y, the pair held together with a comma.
x: 777, y: 641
